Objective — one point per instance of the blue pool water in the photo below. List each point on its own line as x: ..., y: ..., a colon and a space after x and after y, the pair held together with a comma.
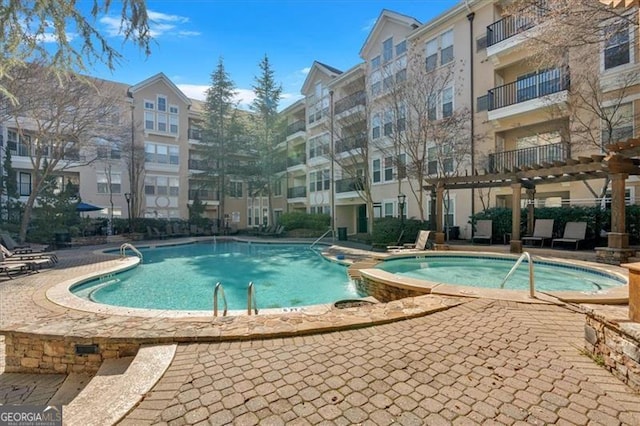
x: 478, y: 271
x: 183, y: 278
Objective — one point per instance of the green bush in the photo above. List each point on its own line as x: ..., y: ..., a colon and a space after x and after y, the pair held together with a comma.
x: 386, y: 231
x: 301, y: 220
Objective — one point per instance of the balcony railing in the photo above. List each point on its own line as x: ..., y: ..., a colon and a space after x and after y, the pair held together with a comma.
x: 349, y: 185
x: 298, y: 126
x: 535, y: 85
x: 350, y: 101
x: 199, y: 165
x: 509, y: 160
x: 512, y: 25
x: 296, y: 161
x: 195, y: 134
x: 351, y: 142
x: 297, y: 192
x: 204, y: 195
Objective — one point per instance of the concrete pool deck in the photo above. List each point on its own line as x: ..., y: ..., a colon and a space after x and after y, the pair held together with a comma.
x: 425, y: 343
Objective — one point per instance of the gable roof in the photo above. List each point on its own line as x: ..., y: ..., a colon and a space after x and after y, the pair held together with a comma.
x: 318, y: 67
x: 156, y: 78
x: 385, y: 17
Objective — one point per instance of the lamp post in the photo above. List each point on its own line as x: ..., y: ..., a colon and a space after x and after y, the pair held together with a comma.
x: 127, y: 196
x: 401, y: 203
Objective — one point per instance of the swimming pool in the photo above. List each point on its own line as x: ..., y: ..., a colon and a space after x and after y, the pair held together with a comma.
x: 489, y: 271
x: 183, y: 277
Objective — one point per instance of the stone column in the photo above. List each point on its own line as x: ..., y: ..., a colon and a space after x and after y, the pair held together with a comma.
x: 439, y: 214
x: 516, y: 242
x: 634, y: 291
x: 617, y: 238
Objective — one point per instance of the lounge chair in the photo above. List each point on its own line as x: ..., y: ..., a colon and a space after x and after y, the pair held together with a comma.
x: 13, y: 267
x: 50, y: 257
x: 12, y: 245
x: 484, y: 231
x: 542, y: 230
x: 422, y: 240
x: 574, y: 232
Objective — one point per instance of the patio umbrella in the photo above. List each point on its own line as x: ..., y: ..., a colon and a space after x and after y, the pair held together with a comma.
x: 86, y: 207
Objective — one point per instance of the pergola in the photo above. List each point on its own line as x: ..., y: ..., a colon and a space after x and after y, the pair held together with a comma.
x: 618, y: 165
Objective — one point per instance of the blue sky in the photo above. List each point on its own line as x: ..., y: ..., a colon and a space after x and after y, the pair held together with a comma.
x: 190, y: 36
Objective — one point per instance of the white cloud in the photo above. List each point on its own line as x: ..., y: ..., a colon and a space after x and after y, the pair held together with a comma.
x: 305, y: 70
x: 160, y: 24
x: 194, y: 91
x: 369, y: 25
x: 244, y: 97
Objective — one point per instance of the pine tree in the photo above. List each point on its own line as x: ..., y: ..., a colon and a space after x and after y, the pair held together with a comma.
x: 265, y: 106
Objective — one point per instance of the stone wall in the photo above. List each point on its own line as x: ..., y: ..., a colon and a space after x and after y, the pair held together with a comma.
x: 617, y: 346
x: 28, y: 353
x: 385, y: 292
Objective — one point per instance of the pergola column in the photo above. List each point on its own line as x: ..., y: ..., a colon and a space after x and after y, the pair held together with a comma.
x: 516, y: 242
x: 439, y: 214
x: 618, y: 238
x: 531, y: 197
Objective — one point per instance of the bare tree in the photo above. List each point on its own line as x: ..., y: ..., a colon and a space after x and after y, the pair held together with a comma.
x: 56, y: 119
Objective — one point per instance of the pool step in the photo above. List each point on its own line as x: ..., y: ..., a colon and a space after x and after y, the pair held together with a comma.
x: 354, y: 270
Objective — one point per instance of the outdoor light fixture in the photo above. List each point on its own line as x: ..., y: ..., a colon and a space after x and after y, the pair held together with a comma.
x: 127, y: 196
x: 401, y: 203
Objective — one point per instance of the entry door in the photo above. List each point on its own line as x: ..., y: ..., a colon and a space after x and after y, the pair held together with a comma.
x: 362, y: 219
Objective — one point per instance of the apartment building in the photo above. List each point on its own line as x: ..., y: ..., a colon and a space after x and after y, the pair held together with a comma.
x: 348, y: 141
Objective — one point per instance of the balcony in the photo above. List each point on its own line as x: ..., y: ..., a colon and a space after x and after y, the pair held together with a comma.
x: 295, y: 127
x: 199, y: 165
x: 351, y: 142
x: 297, y: 192
x: 204, y: 195
x: 528, y: 157
x: 195, y: 134
x: 534, y: 91
x: 349, y: 185
x: 350, y: 101
x: 506, y: 29
x: 296, y: 161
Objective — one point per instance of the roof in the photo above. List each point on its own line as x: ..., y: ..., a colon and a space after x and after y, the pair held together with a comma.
x: 160, y: 77
x: 312, y: 76
x: 387, y: 16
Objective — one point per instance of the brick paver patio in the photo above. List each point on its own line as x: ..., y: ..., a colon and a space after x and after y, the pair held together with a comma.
x: 484, y: 362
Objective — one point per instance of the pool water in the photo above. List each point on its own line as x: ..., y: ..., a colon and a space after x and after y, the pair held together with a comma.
x: 183, y: 278
x: 489, y: 272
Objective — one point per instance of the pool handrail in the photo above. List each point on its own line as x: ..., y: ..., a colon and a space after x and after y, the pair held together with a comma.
x: 220, y: 289
x: 251, y: 299
x: 125, y: 246
x: 319, y: 238
x: 525, y: 254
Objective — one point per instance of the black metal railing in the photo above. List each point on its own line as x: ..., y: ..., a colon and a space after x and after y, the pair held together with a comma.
x: 512, y: 25
x: 534, y: 86
x: 297, y: 126
x: 350, y: 184
x: 204, y: 194
x: 195, y: 134
x: 297, y: 192
x: 350, y: 101
x: 199, y: 165
x: 509, y: 160
x: 296, y: 161
x: 351, y: 142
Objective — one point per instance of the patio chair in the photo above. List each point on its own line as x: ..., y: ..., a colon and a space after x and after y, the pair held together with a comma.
x: 12, y: 245
x: 574, y: 232
x: 484, y: 231
x: 422, y: 241
x: 542, y: 230
x: 13, y: 267
x: 50, y: 257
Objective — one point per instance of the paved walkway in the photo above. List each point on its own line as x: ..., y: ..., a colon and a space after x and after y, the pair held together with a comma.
x: 483, y: 362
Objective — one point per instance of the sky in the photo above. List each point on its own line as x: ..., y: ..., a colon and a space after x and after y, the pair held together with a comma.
x: 191, y: 35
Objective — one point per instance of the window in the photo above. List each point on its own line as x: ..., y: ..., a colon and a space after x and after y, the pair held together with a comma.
x: 401, y: 47
x: 446, y: 46
x: 376, y: 171
x: 431, y: 51
x: 148, y: 104
x: 375, y: 63
x: 149, y: 185
x: 375, y: 124
x: 24, y: 184
x: 162, y: 103
x: 387, y: 83
x: 401, y: 75
x: 447, y: 102
x: 389, y: 208
x: 161, y: 154
x: 277, y: 188
x: 387, y: 50
x: 319, y: 146
x: 319, y: 180
x: 12, y: 141
x: 432, y: 107
x: 173, y: 124
x: 149, y: 121
x: 162, y: 185
x: 235, y: 189
x: 619, y: 123
x: 103, y: 183
x: 174, y: 157
x: 388, y: 123
x: 173, y: 109
x: 388, y: 169
x: 432, y: 161
x: 162, y: 122
x: 401, y: 121
x: 402, y: 166
x: 616, y: 45
x: 539, y: 148
x: 376, y: 83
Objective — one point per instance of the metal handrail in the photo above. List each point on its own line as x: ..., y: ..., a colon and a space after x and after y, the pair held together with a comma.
x: 319, y: 238
x: 251, y: 299
x: 125, y: 246
x: 532, y: 292
x: 220, y: 289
